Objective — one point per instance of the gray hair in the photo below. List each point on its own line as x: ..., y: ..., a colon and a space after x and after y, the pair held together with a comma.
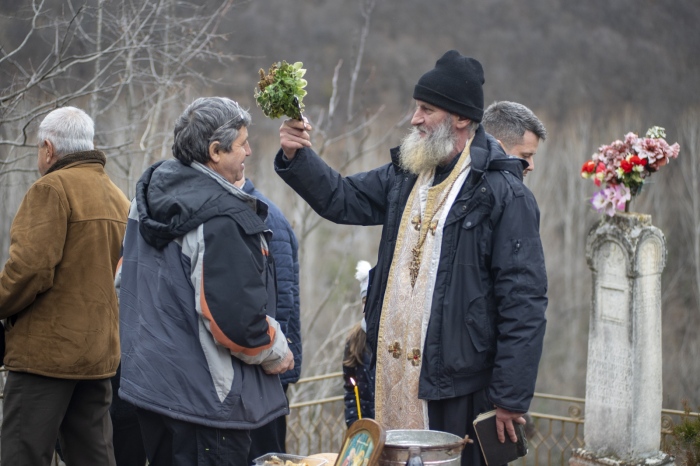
x: 472, y: 128
x: 204, y: 121
x: 69, y: 129
x: 508, y: 122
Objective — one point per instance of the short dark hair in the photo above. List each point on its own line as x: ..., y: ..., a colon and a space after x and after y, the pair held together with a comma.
x: 204, y: 121
x: 508, y: 122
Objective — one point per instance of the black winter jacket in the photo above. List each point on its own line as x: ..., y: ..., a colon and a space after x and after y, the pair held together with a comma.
x: 487, y: 319
x: 364, y: 378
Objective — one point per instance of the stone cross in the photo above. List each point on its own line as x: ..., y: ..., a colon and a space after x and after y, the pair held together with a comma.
x: 623, y: 379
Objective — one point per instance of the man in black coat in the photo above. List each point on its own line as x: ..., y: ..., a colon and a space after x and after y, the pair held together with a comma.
x: 516, y: 128
x: 455, y: 308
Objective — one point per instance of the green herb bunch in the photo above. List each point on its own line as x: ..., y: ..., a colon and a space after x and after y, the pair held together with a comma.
x: 281, y: 90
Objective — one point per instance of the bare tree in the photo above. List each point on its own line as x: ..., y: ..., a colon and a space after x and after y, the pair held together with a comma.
x: 127, y: 63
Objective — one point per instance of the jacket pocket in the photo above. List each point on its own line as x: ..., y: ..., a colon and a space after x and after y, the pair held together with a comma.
x: 478, y: 325
x: 467, y: 338
x: 469, y: 242
x: 475, y: 217
x: 529, y: 262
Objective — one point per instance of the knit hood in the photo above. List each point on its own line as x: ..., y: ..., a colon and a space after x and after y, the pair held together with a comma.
x: 172, y: 199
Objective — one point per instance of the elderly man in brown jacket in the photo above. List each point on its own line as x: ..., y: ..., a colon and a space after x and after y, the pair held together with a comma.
x: 57, y: 296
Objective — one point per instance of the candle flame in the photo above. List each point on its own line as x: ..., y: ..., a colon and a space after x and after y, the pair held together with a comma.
x: 352, y: 381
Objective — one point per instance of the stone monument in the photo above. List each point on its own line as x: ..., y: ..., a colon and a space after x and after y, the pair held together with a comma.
x: 623, y: 380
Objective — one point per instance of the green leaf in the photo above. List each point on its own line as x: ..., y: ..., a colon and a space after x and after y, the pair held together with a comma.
x: 277, y: 89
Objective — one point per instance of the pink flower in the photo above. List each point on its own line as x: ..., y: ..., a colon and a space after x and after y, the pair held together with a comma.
x: 612, y: 198
x: 674, y: 150
x: 599, y: 201
x: 630, y: 138
x: 620, y: 195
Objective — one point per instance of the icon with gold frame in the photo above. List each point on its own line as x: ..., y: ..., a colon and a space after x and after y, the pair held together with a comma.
x: 362, y: 444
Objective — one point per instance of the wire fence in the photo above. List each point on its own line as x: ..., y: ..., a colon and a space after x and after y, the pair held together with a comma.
x: 554, y: 430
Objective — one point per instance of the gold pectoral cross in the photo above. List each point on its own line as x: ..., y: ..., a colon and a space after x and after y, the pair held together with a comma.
x: 417, y: 250
x: 414, y: 268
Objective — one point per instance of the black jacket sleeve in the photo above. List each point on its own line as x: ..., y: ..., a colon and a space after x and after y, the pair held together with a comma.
x: 520, y: 286
x: 359, y: 199
x: 233, y: 295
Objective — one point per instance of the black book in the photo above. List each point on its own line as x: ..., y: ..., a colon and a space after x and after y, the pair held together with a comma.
x: 497, y: 453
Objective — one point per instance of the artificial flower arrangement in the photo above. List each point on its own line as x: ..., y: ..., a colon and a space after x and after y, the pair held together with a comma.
x: 623, y: 166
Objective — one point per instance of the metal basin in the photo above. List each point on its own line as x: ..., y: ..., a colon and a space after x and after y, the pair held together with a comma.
x: 434, y: 447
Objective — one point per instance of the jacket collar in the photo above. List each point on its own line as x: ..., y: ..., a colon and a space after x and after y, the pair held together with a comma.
x: 76, y: 158
x: 395, y: 157
x: 511, y: 164
x: 488, y: 155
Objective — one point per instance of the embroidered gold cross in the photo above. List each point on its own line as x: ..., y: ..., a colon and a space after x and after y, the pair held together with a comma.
x: 433, y: 227
x: 395, y: 349
x: 414, y: 356
x: 415, y: 221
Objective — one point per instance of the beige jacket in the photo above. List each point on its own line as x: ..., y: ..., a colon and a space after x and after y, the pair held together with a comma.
x: 57, y: 287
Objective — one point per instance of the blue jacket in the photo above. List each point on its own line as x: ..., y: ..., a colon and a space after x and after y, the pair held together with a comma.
x: 197, y: 302
x: 284, y: 251
x: 487, y: 317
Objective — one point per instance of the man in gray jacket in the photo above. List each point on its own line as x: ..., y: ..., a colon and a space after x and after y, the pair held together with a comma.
x: 201, y: 350
x: 456, y: 303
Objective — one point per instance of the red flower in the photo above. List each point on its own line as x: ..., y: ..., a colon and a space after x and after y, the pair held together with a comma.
x: 626, y: 166
x: 636, y: 160
x: 588, y: 167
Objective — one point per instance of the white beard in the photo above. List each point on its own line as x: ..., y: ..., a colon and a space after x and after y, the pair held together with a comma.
x: 423, y: 154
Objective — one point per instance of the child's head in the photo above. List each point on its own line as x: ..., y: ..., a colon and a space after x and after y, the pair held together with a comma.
x: 362, y: 275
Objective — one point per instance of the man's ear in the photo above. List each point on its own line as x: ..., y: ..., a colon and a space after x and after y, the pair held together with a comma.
x: 461, y: 122
x: 214, y: 152
x: 50, y: 152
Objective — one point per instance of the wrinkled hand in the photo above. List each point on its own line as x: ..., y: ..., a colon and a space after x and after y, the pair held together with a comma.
x: 294, y: 135
x: 285, y: 365
x: 504, y: 423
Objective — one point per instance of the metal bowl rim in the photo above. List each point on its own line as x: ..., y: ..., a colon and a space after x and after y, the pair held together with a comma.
x: 445, y: 446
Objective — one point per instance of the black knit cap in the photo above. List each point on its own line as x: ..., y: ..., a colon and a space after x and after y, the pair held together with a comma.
x: 454, y: 85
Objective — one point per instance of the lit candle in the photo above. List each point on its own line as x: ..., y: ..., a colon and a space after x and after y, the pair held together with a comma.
x: 357, y: 398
